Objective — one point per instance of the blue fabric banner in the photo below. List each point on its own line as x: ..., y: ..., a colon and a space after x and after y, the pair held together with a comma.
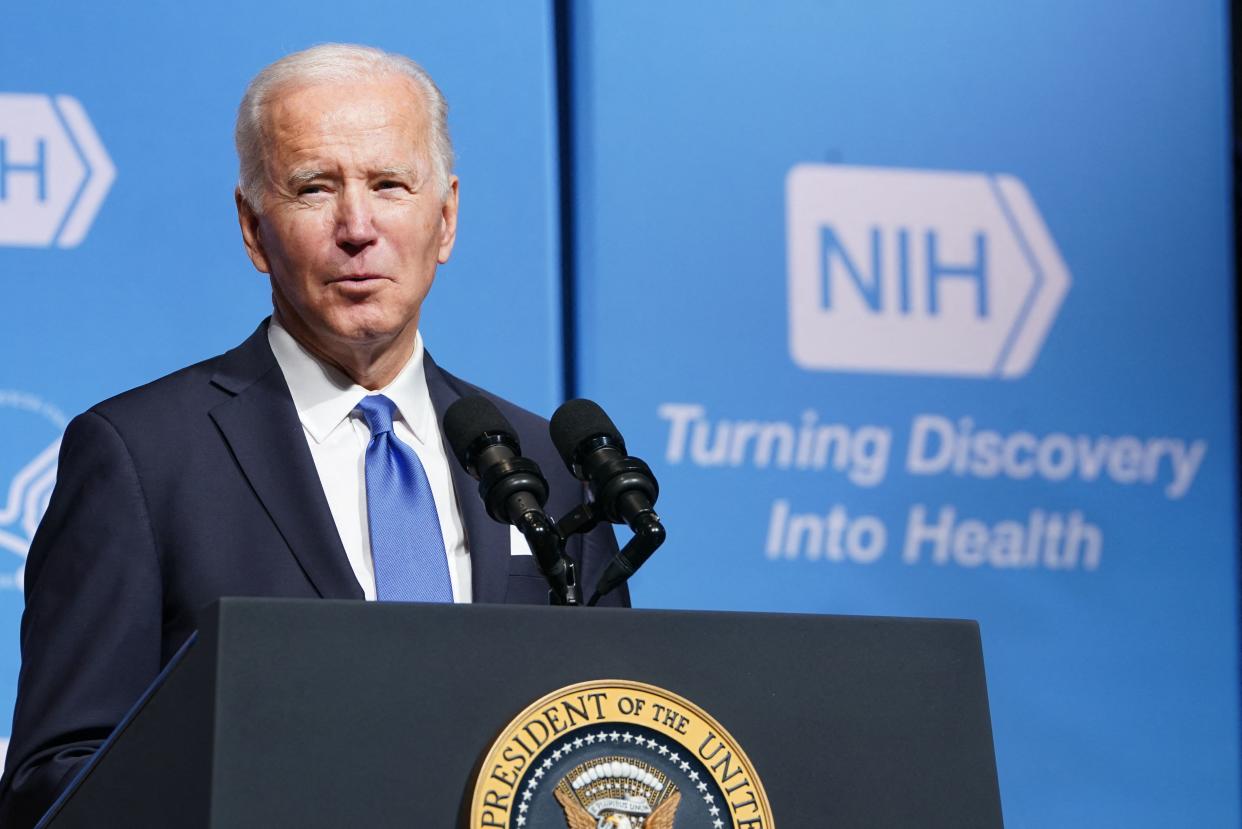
x: 120, y: 256
x: 915, y: 309
x: 926, y: 309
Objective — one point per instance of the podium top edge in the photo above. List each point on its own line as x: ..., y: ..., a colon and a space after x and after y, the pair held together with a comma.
x: 244, y: 603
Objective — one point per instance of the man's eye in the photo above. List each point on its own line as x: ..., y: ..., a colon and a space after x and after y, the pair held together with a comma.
x: 310, y: 189
x: 388, y: 185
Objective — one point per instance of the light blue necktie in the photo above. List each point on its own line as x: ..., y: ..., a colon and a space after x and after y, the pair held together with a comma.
x: 407, y: 547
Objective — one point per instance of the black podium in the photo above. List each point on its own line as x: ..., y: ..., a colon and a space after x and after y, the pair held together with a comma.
x: 286, y: 713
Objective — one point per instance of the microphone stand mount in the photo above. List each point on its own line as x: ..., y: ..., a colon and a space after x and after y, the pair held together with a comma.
x: 648, y: 536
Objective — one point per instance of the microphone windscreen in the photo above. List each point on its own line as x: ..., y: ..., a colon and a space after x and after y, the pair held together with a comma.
x: 576, y: 421
x: 469, y: 418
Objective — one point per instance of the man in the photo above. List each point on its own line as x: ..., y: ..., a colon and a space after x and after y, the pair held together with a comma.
x: 262, y: 471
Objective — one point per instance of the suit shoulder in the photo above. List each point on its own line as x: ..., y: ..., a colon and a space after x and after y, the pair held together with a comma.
x: 193, y: 389
x: 161, y: 395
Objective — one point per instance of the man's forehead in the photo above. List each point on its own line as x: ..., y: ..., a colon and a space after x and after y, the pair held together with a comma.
x: 381, y: 122
x: 345, y: 105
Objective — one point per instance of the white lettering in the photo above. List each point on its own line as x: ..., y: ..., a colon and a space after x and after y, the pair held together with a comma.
x: 679, y: 415
x: 939, y: 446
x: 1048, y: 539
x: 1185, y: 463
x: 834, y: 536
x: 926, y: 427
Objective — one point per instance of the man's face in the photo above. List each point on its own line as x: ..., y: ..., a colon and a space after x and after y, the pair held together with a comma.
x: 352, y: 223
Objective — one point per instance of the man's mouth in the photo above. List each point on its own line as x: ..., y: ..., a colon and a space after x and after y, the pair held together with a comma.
x: 357, y: 278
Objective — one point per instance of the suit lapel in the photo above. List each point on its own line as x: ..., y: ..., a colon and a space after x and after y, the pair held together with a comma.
x: 262, y: 428
x: 487, y: 540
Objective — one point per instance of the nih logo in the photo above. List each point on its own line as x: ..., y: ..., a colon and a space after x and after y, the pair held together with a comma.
x: 918, y: 272
x: 54, y: 171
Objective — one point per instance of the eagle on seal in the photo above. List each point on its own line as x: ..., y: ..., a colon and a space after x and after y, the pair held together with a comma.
x: 579, y: 818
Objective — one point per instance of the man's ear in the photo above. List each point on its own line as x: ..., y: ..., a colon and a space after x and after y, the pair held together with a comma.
x: 249, y: 221
x: 448, y: 223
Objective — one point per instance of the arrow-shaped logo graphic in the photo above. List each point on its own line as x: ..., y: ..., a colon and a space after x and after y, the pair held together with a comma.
x: 54, y: 171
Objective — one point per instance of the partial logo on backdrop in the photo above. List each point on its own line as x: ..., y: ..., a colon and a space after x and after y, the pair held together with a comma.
x: 616, y: 754
x: 28, y: 466
x: 54, y: 171
x: 918, y: 272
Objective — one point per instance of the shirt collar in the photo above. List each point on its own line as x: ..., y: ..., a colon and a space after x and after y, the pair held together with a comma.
x: 324, y: 396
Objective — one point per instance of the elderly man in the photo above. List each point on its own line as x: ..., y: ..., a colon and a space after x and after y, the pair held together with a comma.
x: 261, y: 472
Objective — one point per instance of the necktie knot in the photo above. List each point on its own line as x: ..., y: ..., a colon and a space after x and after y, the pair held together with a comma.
x: 377, y: 410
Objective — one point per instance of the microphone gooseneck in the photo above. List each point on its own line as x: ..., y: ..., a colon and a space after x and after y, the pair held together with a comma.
x: 512, y: 487
x: 623, y: 487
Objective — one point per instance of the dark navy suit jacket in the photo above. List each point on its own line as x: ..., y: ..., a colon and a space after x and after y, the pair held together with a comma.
x: 197, y: 486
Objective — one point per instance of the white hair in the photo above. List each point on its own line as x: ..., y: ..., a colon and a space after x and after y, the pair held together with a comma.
x: 327, y: 63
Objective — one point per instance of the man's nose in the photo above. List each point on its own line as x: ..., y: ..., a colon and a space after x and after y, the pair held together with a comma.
x: 355, y: 223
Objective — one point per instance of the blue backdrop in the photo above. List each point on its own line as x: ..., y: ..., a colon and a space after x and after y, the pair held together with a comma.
x: 1059, y: 174
x: 916, y: 309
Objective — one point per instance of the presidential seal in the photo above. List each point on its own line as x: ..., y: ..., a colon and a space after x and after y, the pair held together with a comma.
x: 615, y: 754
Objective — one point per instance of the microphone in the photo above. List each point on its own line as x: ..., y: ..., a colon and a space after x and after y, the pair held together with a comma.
x: 512, y: 487
x: 624, y: 488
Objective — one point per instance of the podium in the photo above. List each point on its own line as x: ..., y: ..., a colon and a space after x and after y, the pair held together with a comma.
x: 292, y: 713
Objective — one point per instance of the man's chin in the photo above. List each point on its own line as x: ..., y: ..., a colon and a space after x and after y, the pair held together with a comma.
x: 346, y: 334
x: 370, y: 333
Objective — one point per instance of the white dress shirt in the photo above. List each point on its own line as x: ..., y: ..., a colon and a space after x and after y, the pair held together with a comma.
x: 338, y: 436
